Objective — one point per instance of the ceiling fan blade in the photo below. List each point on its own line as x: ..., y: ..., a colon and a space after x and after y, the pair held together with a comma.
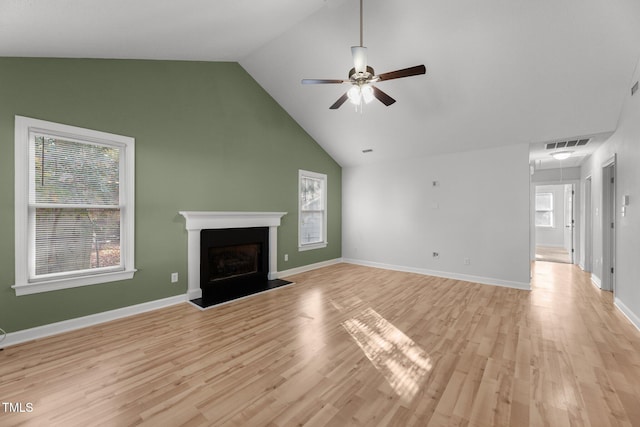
x: 406, y: 72
x: 382, y: 97
x: 339, y: 102
x: 320, y: 81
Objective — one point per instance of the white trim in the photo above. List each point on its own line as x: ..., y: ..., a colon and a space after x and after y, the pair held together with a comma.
x: 44, y: 331
x: 196, y: 221
x: 596, y: 281
x: 305, y: 268
x: 24, y: 127
x: 581, y: 266
x: 199, y: 220
x: 447, y: 275
x: 68, y: 282
x: 310, y: 246
x: 630, y: 315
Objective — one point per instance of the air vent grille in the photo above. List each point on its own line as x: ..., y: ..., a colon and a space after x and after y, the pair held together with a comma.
x: 563, y: 144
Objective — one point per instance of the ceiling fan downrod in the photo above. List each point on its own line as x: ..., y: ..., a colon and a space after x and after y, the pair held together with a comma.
x: 361, y: 31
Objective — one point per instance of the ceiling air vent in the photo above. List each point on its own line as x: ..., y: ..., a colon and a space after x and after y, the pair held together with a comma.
x: 563, y: 144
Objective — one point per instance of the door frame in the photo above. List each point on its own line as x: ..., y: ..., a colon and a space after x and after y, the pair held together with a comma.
x: 588, y: 225
x: 608, y: 282
x: 572, y: 220
x: 576, y: 218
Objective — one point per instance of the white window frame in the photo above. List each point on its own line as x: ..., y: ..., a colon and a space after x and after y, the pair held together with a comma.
x: 323, y: 243
x: 25, y: 129
x: 551, y: 209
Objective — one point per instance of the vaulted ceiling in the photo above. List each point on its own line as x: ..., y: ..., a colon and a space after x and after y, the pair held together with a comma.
x: 498, y: 72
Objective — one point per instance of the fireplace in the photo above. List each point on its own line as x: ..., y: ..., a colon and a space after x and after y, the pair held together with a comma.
x: 197, y: 222
x: 233, y: 262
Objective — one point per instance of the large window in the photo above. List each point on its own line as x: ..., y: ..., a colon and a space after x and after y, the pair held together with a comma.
x: 544, y: 210
x: 312, y: 230
x: 74, y: 206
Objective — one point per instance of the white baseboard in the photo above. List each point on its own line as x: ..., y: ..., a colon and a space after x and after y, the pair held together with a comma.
x: 43, y: 331
x: 633, y: 318
x: 596, y: 281
x: 581, y: 266
x: 305, y: 268
x: 444, y: 274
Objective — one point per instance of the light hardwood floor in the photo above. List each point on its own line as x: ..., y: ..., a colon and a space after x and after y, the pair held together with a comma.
x: 346, y: 345
x: 552, y: 254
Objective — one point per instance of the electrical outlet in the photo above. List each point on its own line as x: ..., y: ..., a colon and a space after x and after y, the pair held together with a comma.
x: 174, y: 277
x: 467, y: 261
x: 436, y: 255
x: 286, y: 257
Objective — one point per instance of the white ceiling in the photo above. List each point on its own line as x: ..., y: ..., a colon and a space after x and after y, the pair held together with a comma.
x: 498, y: 72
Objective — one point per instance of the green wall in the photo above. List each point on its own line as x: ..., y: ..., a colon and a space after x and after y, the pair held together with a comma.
x: 208, y: 137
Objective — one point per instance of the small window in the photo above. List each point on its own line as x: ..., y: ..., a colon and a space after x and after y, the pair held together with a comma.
x: 544, y: 210
x: 74, y: 206
x: 312, y: 230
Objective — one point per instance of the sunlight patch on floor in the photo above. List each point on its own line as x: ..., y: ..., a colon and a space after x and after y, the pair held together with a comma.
x: 396, y: 356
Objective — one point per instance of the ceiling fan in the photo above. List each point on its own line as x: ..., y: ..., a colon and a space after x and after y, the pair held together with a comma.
x: 361, y: 77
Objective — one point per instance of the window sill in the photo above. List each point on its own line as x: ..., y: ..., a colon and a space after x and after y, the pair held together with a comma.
x: 310, y: 246
x: 71, y: 282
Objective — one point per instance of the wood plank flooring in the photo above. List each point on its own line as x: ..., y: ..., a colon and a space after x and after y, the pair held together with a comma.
x: 552, y: 254
x: 346, y: 345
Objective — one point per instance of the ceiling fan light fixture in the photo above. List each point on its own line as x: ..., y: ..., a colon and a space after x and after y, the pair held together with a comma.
x: 354, y: 95
x: 359, y: 54
x: 361, y: 76
x: 561, y: 155
x: 367, y: 93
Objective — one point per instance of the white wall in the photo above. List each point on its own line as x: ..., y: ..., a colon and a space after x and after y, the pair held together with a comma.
x: 552, y: 236
x: 625, y: 144
x: 394, y: 217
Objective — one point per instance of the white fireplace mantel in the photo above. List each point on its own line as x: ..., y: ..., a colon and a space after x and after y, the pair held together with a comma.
x: 197, y: 221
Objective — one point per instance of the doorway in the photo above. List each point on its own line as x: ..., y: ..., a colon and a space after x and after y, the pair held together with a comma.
x: 554, y: 223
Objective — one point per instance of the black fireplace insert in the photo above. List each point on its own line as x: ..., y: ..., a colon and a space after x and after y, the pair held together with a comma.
x: 234, y: 262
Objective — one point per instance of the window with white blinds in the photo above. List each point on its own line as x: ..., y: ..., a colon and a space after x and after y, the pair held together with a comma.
x: 76, y: 221
x: 312, y: 230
